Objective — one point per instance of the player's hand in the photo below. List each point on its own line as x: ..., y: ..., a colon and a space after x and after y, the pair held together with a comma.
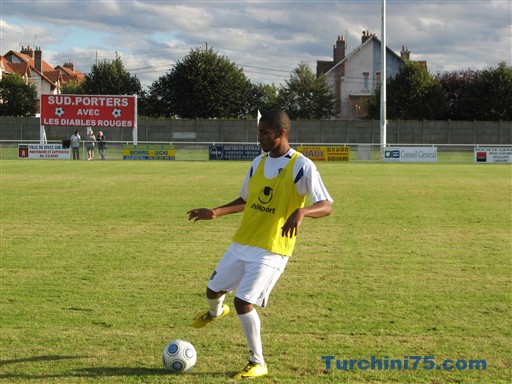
x: 291, y: 226
x: 201, y: 214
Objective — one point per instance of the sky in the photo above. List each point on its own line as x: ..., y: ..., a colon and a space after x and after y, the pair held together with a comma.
x: 267, y: 39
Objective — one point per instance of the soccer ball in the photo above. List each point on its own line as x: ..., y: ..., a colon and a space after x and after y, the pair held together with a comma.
x: 179, y: 356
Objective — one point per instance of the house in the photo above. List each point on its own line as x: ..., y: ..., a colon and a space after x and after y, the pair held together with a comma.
x: 69, y: 74
x: 29, y: 64
x: 356, y: 76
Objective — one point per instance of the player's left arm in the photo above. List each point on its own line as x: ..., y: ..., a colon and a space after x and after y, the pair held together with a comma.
x: 308, y: 182
x: 317, y: 210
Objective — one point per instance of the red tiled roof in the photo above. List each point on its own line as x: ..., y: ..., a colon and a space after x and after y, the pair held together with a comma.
x: 64, y: 69
x: 44, y: 65
x: 74, y: 78
x: 52, y: 75
x: 30, y: 61
x: 21, y: 69
x: 70, y: 75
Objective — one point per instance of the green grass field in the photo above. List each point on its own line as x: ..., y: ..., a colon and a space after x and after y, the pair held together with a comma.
x: 100, y: 269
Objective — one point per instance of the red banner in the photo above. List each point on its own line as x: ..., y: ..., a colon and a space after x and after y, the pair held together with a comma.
x: 89, y: 111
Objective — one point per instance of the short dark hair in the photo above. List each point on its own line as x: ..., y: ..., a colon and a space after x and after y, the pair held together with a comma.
x: 276, y: 119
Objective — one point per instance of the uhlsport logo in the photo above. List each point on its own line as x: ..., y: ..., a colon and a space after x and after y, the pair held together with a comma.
x: 266, y: 195
x: 392, y: 154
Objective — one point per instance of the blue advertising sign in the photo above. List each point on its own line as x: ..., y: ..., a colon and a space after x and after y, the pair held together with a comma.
x: 234, y: 152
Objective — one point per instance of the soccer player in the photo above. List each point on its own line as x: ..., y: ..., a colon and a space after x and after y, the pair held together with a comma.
x: 272, y: 198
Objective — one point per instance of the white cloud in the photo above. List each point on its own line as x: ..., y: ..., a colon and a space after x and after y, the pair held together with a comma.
x: 274, y: 36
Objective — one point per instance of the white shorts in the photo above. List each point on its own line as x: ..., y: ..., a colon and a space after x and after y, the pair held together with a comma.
x: 253, y: 272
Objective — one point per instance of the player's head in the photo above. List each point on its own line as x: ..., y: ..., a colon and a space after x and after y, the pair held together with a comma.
x: 276, y: 120
x: 273, y: 129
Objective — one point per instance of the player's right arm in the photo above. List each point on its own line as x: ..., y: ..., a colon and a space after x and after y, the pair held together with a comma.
x: 235, y: 206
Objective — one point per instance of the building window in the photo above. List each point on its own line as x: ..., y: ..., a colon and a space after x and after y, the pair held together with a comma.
x: 377, y: 80
x: 366, y: 76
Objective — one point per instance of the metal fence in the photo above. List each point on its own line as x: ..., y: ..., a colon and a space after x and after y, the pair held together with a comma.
x: 454, y: 140
x: 303, y: 131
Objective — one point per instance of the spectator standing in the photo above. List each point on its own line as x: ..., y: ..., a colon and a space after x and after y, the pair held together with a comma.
x: 102, y: 144
x: 75, y: 145
x: 90, y: 143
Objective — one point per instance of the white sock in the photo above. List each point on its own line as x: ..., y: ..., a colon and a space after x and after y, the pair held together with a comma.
x: 216, y: 307
x: 252, y: 326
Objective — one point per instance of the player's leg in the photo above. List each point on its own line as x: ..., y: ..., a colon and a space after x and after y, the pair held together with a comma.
x: 224, y: 278
x: 215, y: 301
x: 254, y: 289
x: 216, y: 309
x: 251, y: 325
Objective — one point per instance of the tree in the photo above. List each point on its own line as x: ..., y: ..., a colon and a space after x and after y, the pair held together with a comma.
x: 454, y: 84
x: 159, y: 98
x: 263, y: 97
x: 202, y: 85
x: 111, y: 78
x: 373, y: 105
x: 413, y: 94
x: 495, y: 88
x: 306, y: 96
x: 481, y: 95
x: 17, y: 99
x: 72, y: 88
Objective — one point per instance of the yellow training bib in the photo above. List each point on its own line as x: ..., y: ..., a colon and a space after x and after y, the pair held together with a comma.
x: 269, y: 203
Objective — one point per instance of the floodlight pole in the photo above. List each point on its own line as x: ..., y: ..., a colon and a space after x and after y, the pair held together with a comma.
x: 135, y: 130
x: 383, y: 119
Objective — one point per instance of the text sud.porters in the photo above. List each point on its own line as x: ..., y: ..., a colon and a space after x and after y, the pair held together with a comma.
x: 98, y: 111
x: 88, y: 101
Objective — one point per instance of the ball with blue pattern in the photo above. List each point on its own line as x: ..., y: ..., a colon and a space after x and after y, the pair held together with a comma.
x: 179, y: 356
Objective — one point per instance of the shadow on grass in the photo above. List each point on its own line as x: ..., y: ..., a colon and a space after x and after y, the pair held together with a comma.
x: 89, y: 372
x: 39, y: 358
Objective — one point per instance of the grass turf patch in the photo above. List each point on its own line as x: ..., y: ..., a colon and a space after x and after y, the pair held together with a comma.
x: 100, y: 269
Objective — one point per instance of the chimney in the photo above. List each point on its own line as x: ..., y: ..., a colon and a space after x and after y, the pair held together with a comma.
x: 70, y: 65
x: 339, y: 49
x: 366, y: 36
x: 38, y: 59
x: 405, y: 54
x: 338, y: 56
x: 27, y: 51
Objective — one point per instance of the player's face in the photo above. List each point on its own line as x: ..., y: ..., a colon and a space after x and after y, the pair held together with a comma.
x: 268, y: 137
